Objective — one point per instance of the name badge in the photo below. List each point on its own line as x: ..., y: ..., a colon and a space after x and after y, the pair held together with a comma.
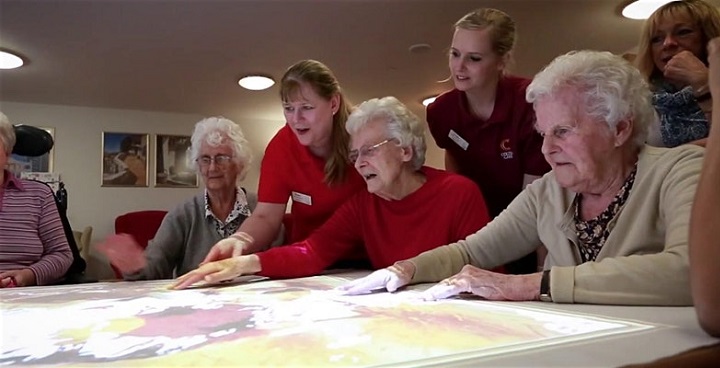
x: 302, y: 198
x: 458, y: 140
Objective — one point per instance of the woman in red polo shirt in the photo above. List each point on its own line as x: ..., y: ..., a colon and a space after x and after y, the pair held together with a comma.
x: 484, y: 124
x: 305, y: 161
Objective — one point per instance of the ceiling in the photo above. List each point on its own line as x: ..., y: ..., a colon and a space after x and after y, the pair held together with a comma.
x: 186, y: 56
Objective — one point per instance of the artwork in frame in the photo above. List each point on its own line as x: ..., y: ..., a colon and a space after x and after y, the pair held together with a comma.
x: 172, y: 162
x: 18, y: 164
x: 124, y: 161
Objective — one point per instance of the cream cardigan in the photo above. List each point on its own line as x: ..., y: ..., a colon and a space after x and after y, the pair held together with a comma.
x: 643, y: 262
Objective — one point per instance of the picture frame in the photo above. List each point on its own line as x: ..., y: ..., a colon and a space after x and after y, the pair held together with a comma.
x: 18, y: 164
x: 124, y: 159
x: 172, y: 162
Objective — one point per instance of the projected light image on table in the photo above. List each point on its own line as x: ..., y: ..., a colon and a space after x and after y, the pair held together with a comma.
x: 299, y: 322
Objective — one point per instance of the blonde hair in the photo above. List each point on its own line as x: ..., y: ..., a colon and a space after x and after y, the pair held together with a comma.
x: 323, y: 82
x: 501, y: 26
x: 705, y: 16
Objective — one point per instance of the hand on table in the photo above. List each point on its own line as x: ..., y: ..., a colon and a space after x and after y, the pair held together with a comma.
x: 685, y: 69
x: 12, y: 278
x: 229, y: 247
x: 487, y: 284
x: 225, y: 270
x: 123, y: 252
x: 391, y: 278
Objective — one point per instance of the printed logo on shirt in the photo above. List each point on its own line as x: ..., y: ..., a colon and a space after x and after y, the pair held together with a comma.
x: 302, y: 198
x: 458, y: 140
x: 506, y: 153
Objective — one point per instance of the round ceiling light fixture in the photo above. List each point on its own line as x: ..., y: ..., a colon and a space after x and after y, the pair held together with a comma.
x: 9, y: 60
x: 256, y: 82
x: 641, y: 9
x: 419, y: 48
x: 429, y: 100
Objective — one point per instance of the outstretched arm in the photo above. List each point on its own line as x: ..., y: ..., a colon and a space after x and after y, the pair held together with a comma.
x: 254, y: 235
x: 705, y: 218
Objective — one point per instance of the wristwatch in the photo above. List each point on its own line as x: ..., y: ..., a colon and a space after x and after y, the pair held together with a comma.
x: 545, y: 295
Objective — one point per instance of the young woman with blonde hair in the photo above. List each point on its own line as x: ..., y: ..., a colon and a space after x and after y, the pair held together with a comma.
x: 484, y: 124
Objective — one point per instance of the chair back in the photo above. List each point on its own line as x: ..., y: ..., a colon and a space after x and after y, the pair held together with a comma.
x: 82, y: 239
x: 142, y: 225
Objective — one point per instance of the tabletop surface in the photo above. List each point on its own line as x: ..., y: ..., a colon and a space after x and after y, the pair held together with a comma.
x: 304, y: 322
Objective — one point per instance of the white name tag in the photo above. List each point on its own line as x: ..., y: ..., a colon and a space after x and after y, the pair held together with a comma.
x: 302, y: 198
x: 458, y: 140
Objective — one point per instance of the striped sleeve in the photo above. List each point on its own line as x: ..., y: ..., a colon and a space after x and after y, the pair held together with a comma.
x: 31, y: 233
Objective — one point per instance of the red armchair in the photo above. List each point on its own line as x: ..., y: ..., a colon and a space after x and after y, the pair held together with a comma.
x: 142, y: 225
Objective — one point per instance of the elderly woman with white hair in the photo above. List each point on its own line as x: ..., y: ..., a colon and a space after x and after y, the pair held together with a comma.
x: 220, y: 152
x: 407, y: 209
x: 613, y: 213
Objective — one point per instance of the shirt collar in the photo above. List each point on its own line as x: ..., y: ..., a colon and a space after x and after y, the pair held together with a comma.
x: 12, y: 181
x: 501, y: 109
x: 241, y: 203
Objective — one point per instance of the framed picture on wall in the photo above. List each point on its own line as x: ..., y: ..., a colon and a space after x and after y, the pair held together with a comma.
x: 18, y: 164
x: 172, y: 162
x: 124, y: 160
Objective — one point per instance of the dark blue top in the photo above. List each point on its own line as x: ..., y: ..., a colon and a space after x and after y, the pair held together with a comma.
x: 681, y: 119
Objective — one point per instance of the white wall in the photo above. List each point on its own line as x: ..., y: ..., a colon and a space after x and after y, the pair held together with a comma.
x: 78, y: 153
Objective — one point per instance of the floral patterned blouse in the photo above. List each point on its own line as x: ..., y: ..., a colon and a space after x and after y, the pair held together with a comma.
x: 592, y: 233
x: 240, y: 211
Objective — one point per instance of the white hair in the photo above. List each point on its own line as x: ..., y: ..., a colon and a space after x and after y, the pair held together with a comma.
x: 611, y: 89
x: 214, y: 131
x: 402, y: 124
x: 7, y: 134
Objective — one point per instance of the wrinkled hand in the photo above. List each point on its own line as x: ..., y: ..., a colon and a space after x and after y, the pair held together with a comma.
x: 685, y: 69
x: 24, y: 277
x: 218, y: 271
x: 229, y: 247
x: 714, y: 61
x: 487, y: 284
x: 391, y: 278
x: 123, y: 252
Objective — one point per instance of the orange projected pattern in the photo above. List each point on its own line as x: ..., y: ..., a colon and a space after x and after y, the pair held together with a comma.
x: 299, y: 322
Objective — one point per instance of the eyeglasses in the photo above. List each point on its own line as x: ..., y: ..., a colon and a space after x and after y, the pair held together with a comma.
x: 365, y: 151
x: 219, y: 160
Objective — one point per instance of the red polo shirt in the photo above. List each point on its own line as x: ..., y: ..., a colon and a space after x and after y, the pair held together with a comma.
x: 290, y: 170
x: 495, y: 153
x: 447, y: 208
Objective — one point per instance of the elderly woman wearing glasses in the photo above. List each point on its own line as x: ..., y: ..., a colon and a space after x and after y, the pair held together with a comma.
x: 221, y: 153
x: 407, y: 209
x: 613, y: 212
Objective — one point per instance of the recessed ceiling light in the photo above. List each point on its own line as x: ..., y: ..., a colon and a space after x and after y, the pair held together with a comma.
x: 256, y: 82
x: 429, y: 100
x: 419, y: 48
x: 9, y: 61
x: 642, y: 9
